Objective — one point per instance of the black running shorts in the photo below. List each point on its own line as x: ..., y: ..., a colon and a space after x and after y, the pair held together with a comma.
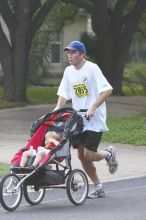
x: 88, y: 139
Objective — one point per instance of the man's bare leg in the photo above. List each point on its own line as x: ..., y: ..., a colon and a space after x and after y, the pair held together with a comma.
x: 88, y: 166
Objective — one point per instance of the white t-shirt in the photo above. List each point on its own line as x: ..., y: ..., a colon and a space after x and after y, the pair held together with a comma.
x: 83, y: 86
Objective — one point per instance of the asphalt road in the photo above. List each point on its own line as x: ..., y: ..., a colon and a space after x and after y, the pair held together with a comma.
x: 125, y: 200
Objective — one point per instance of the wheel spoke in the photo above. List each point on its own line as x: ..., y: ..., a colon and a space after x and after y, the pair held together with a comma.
x: 33, y: 195
x: 77, y: 187
x: 10, y: 194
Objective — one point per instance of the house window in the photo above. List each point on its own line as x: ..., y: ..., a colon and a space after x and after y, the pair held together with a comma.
x: 55, y: 47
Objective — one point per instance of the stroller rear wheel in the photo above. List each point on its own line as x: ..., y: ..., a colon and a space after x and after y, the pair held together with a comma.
x: 77, y: 187
x: 33, y: 195
x: 10, y: 192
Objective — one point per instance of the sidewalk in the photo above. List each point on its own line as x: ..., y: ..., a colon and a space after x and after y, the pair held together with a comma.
x: 126, y: 105
x: 15, y: 131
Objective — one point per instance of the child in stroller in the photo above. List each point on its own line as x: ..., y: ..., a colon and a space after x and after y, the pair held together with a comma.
x: 52, y: 139
x: 32, y: 183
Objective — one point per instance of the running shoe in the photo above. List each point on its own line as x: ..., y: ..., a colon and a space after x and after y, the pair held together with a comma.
x: 97, y: 193
x: 112, y: 160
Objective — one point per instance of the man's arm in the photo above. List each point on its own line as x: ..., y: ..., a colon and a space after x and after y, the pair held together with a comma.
x: 102, y: 97
x: 60, y: 103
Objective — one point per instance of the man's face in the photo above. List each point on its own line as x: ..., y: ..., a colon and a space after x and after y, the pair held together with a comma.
x: 74, y: 57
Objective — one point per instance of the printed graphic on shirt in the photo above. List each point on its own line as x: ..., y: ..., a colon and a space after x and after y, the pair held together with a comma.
x: 85, y: 79
x: 81, y: 89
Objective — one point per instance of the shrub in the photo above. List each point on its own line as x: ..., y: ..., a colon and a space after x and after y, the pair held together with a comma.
x: 135, y: 78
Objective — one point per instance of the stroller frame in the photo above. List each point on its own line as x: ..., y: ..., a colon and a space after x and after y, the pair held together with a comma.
x: 34, y: 182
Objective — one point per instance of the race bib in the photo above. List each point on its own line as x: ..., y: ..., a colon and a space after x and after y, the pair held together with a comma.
x: 81, y: 89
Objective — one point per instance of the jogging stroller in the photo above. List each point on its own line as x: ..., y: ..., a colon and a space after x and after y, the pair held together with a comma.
x: 33, y: 182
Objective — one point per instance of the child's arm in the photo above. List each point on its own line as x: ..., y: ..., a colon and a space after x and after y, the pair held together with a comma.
x: 53, y: 141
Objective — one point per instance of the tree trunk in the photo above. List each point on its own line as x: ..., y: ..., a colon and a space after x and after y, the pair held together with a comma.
x: 112, y: 57
x: 116, y: 71
x: 7, y: 66
x: 22, y: 23
x: 8, y: 81
x: 118, y: 60
x: 21, y: 51
x: 14, y: 55
x: 14, y: 83
x: 114, y: 37
x: 113, y: 61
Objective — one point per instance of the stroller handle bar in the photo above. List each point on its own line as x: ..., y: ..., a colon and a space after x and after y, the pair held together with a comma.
x: 69, y: 109
x: 84, y: 115
x: 82, y: 110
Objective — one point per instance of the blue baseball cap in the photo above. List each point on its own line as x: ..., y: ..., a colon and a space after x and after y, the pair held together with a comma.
x: 76, y: 45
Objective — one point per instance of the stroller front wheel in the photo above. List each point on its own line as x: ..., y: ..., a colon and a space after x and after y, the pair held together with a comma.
x: 77, y: 187
x: 33, y: 194
x: 10, y: 192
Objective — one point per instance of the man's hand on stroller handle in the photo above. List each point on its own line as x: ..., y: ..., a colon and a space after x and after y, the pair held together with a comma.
x: 89, y: 113
x: 84, y: 113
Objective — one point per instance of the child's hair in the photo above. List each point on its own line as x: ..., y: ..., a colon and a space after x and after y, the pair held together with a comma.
x: 53, y: 134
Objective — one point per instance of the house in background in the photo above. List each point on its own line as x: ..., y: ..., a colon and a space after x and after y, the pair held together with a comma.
x: 71, y: 31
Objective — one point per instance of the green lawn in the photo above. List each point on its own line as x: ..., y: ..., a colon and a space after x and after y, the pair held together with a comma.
x: 41, y: 95
x: 35, y: 95
x: 4, y: 169
x: 126, y: 130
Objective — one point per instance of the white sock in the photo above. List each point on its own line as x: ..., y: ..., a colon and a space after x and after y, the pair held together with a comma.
x: 99, y: 185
